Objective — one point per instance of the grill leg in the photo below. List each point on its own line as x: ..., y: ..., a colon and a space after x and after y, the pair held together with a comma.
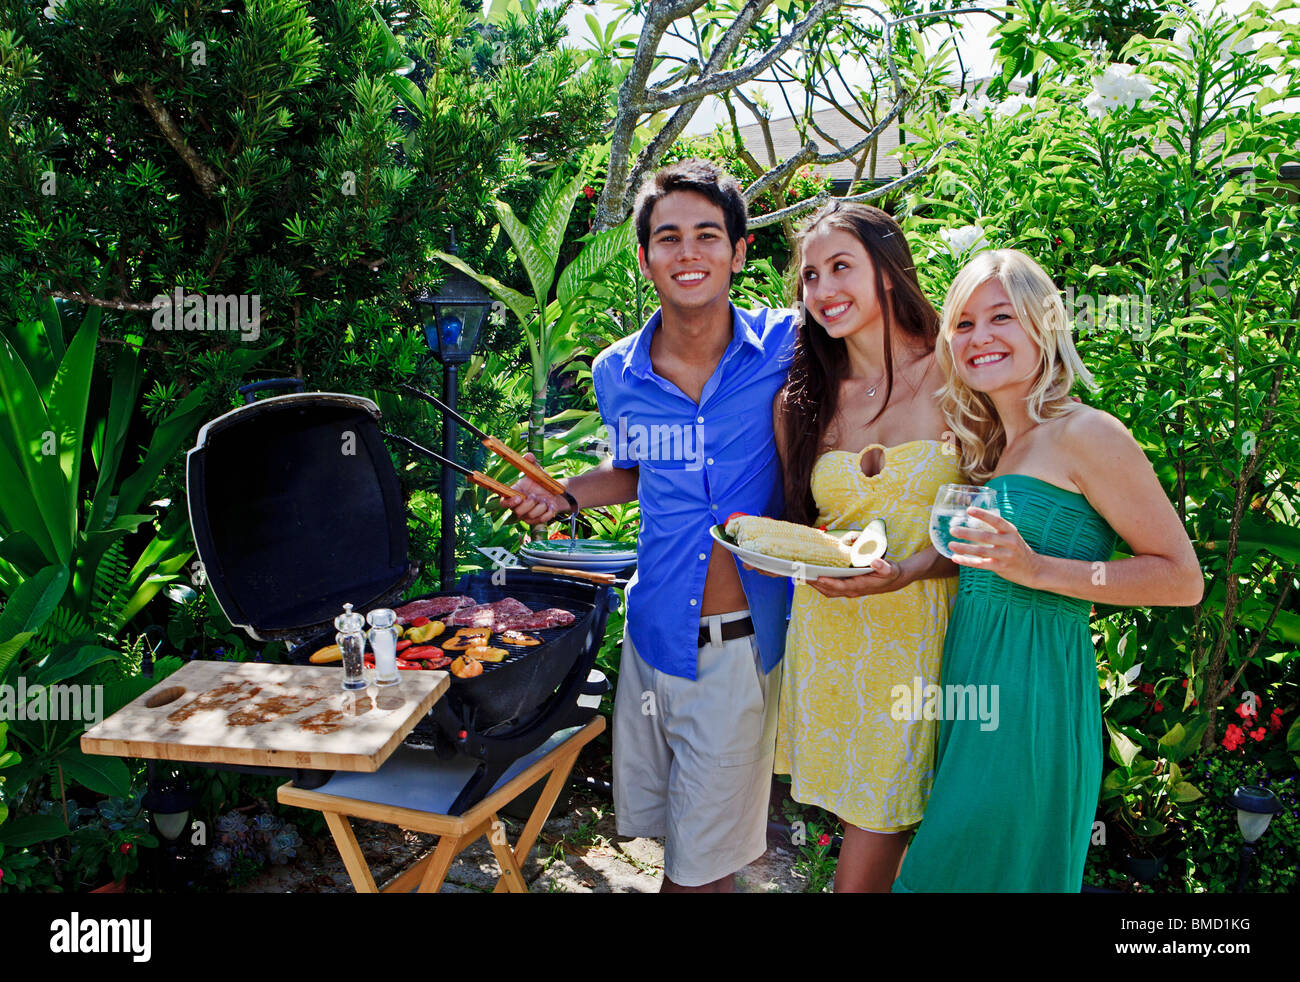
x: 512, y: 877
x: 541, y: 812
x: 350, y: 850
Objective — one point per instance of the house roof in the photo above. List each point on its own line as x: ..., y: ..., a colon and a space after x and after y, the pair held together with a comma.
x: 786, y: 141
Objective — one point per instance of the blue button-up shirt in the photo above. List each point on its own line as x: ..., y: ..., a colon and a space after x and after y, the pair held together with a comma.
x: 698, y: 464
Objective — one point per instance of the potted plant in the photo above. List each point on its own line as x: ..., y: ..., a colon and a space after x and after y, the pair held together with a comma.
x: 1146, y: 798
x: 113, y: 839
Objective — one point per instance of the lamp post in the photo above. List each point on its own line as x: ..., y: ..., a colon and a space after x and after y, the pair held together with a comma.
x: 451, y: 321
x: 1256, y: 807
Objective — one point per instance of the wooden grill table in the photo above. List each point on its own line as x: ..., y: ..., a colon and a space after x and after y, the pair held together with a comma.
x: 413, y: 790
x: 257, y: 715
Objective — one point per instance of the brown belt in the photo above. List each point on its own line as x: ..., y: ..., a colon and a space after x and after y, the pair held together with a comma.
x: 730, y: 631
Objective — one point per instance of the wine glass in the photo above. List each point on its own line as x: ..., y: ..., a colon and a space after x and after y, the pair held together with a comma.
x: 949, y: 512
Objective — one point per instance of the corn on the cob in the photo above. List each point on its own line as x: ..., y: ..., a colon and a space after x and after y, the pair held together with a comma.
x: 786, y: 540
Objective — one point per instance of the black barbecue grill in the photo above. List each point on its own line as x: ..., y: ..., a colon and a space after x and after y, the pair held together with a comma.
x: 296, y: 509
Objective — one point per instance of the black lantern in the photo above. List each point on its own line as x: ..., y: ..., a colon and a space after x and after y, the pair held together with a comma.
x: 451, y: 321
x: 1256, y: 807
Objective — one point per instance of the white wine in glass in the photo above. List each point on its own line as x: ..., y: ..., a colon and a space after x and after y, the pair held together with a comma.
x: 949, y: 512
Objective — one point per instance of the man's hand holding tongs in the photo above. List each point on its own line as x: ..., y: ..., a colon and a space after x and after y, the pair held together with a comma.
x: 533, y: 503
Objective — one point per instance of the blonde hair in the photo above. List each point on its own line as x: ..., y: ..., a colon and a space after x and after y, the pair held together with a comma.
x: 1037, y: 302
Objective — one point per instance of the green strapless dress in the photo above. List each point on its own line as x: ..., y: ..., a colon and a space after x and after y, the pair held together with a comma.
x: 1012, y: 805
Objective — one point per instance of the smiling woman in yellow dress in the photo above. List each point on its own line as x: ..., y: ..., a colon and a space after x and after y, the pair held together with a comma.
x: 861, y: 437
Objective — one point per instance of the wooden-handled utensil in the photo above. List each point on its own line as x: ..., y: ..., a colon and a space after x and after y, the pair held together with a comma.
x: 517, y: 460
x: 582, y: 574
x: 475, y: 477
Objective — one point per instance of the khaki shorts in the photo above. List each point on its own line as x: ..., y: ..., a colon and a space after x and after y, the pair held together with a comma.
x: 693, y: 760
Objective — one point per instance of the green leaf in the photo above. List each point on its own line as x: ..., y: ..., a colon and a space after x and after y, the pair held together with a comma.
x: 34, y: 601
x: 58, y: 668
x: 1184, y: 791
x: 1122, y: 749
x: 603, y: 249
x: 107, y: 775
x: 537, y: 264
x: 25, y: 434
x: 521, y: 306
x: 31, y: 829
x: 1293, y: 735
x: 69, y: 396
x: 409, y: 93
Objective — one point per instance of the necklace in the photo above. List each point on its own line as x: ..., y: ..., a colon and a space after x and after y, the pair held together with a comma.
x: 872, y: 391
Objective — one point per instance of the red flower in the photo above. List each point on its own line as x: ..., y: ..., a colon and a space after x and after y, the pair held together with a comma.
x: 589, y: 191
x: 1258, y: 734
x: 1245, y: 710
x: 1057, y: 240
x: 2, y: 875
x: 1159, y: 707
x: 1233, y: 737
x: 558, y: 535
x: 823, y: 840
x: 125, y: 848
x: 1196, y: 702
x: 750, y: 239
x: 1275, y: 720
x: 1184, y: 683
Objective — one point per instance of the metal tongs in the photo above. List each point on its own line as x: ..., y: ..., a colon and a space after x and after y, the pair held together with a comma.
x: 517, y: 460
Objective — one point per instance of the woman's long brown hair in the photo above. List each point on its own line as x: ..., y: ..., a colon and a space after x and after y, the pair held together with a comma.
x: 812, y: 392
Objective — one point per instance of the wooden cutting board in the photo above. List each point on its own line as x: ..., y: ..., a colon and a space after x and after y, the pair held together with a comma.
x: 267, y: 715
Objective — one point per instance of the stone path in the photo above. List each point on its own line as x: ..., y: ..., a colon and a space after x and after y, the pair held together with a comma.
x: 577, y: 852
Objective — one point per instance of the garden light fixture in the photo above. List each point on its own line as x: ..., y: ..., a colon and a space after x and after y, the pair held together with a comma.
x: 1256, y: 807
x: 451, y: 321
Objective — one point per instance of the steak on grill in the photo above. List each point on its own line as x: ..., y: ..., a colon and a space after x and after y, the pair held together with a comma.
x: 432, y: 608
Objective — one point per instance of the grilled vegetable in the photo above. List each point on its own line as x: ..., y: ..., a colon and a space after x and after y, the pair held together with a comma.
x: 519, y: 638
x: 327, y: 655
x: 419, y: 621
x: 408, y: 666
x: 465, y: 667
x: 488, y: 654
x: 470, y: 632
x: 425, y: 632
x: 422, y: 652
x: 402, y: 645
x: 463, y: 642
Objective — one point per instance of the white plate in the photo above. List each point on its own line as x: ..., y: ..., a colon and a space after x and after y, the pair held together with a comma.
x: 604, y: 567
x: 784, y: 567
x: 577, y: 559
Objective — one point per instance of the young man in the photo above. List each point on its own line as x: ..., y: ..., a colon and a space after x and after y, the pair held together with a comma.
x: 688, y: 403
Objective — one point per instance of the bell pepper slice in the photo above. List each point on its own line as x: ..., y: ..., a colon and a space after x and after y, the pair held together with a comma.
x: 422, y: 652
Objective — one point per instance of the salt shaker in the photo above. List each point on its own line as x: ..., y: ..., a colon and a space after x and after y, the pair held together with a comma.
x: 352, y: 642
x: 383, y: 641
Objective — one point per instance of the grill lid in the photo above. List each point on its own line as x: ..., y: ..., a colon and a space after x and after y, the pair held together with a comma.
x: 296, y: 510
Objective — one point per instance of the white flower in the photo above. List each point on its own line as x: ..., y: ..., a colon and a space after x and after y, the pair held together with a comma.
x: 958, y: 241
x: 970, y: 105
x: 1117, y: 86
x: 52, y: 11
x: 1012, y: 104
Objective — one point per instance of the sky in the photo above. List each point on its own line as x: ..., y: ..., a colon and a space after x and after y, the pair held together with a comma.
x: 973, y: 43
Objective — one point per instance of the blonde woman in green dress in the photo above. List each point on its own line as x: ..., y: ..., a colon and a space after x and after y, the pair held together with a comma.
x: 1012, y: 805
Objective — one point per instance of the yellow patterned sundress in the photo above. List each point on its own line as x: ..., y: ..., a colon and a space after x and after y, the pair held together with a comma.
x: 836, y: 736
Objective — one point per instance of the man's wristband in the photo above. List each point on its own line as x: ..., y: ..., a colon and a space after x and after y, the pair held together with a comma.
x: 573, y: 503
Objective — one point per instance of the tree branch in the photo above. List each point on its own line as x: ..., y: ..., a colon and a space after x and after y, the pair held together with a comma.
x: 808, y: 204
x: 117, y: 304
x: 204, y: 174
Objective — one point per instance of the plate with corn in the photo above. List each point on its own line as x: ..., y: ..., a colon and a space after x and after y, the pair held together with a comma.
x: 801, y: 552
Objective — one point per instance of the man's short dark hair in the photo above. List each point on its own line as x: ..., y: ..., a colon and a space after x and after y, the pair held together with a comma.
x: 701, y: 176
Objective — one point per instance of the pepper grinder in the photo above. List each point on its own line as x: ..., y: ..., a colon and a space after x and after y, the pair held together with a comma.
x: 351, y: 640
x: 383, y: 641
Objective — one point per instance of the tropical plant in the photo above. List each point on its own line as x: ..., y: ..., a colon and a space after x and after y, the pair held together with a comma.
x: 549, y: 324
x: 1152, y: 192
